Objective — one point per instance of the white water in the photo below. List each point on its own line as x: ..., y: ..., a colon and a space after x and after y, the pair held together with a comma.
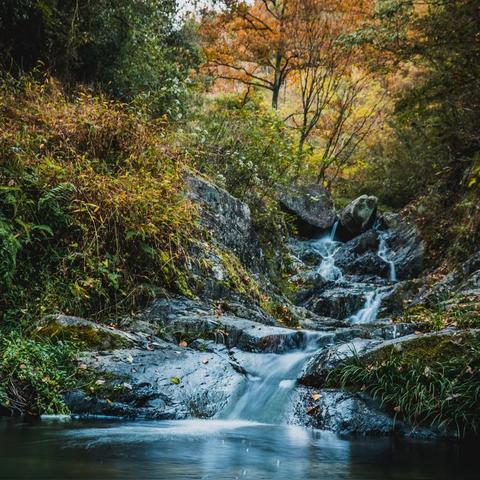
x: 328, y: 247
x: 383, y: 253
x: 369, y: 312
x: 271, y: 380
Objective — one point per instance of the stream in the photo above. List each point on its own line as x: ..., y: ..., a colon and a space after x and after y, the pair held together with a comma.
x: 250, y: 438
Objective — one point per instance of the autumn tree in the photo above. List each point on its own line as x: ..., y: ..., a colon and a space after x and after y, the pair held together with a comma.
x: 252, y: 44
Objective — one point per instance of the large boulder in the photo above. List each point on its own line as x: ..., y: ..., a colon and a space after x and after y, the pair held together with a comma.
x: 406, y: 248
x: 358, y: 216
x: 312, y: 205
x: 229, y: 222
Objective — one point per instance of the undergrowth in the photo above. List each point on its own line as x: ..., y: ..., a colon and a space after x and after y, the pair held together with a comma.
x: 93, y: 218
x: 35, y: 375
x: 441, y: 391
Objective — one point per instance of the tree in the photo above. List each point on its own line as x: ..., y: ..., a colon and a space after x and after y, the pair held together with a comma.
x: 252, y: 44
x: 132, y: 48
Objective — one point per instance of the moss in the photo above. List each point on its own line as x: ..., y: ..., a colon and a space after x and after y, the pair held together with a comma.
x: 237, y: 277
x: 90, y: 337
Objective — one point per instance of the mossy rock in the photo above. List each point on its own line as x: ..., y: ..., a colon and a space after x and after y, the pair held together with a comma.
x: 431, y: 347
x: 91, y: 335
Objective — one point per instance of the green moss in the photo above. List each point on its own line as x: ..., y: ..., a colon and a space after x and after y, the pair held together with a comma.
x: 89, y: 337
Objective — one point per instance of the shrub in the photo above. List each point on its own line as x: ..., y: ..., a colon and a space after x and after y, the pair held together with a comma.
x: 94, y: 216
x: 440, y: 388
x: 34, y: 376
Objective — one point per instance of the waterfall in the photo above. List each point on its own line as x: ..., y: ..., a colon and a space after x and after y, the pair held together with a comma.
x: 328, y: 247
x: 383, y: 253
x: 270, y: 383
x: 369, y: 312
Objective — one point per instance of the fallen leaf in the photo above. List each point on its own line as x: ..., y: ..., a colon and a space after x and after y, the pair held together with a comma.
x: 183, y: 344
x: 205, y: 361
x: 100, y: 381
x: 175, y: 380
x: 315, y: 396
x: 312, y: 410
x: 129, y: 358
x: 127, y: 386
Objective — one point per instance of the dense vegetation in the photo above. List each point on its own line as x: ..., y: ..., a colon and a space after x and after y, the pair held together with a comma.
x: 104, y: 105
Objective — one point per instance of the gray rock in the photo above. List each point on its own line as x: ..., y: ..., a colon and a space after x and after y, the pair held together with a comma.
x: 358, y: 216
x: 342, y: 412
x: 312, y: 205
x: 228, y: 220
x: 167, y: 383
x: 339, y: 302
x: 406, y: 247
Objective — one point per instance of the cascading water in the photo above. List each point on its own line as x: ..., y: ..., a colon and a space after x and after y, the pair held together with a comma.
x: 328, y: 247
x: 272, y: 378
x: 383, y: 254
x: 369, y: 312
x: 270, y: 382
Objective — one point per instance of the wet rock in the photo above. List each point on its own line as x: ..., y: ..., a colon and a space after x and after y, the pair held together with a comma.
x: 312, y: 205
x: 357, y: 217
x: 342, y: 412
x: 93, y: 335
x: 182, y: 319
x: 317, y: 369
x: 167, y: 383
x: 406, y: 247
x: 337, y: 302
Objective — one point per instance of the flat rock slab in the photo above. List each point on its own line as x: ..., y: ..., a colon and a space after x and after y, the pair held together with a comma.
x: 167, y: 383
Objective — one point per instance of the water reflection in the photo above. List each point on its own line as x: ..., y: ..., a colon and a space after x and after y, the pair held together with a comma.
x: 216, y: 450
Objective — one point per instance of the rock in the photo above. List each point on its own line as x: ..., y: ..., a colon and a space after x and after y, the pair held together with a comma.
x: 463, y: 282
x: 357, y: 217
x: 312, y: 205
x: 342, y: 412
x: 185, y: 319
x: 228, y: 220
x: 339, y: 302
x: 321, y: 364
x: 406, y: 247
x: 167, y: 383
x: 92, y: 335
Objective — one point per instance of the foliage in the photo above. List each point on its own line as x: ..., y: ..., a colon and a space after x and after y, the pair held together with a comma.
x: 247, y: 149
x: 461, y: 313
x: 442, y: 392
x: 94, y: 217
x: 135, y: 49
x: 34, y: 375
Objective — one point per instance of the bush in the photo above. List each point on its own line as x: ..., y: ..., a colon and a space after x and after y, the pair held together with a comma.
x: 34, y: 376
x: 93, y: 212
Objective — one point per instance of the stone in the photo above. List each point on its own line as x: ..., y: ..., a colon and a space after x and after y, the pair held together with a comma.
x: 357, y: 217
x: 228, y: 220
x: 312, y: 205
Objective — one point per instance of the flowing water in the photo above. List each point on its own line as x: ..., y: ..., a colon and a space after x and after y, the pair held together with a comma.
x: 249, y: 439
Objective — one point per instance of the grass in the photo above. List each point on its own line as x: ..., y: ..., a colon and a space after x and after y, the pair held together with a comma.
x: 436, y: 386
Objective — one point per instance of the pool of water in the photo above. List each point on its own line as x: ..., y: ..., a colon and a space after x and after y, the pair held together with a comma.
x: 108, y: 449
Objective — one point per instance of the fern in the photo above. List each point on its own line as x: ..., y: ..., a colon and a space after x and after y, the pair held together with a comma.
x: 53, y: 205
